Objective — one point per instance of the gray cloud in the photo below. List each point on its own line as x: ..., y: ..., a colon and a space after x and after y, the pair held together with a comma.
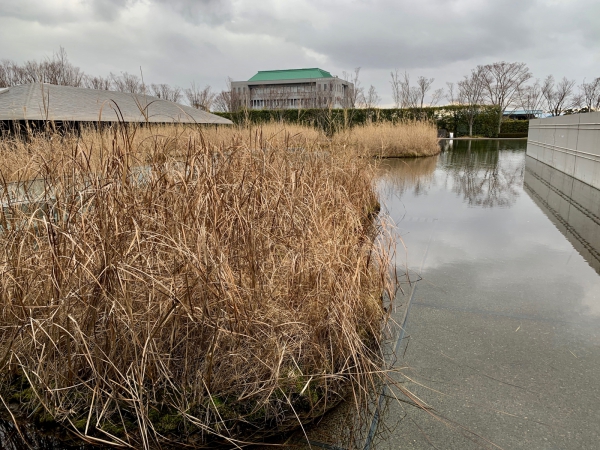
x: 404, y: 32
x: 201, y: 11
x: 33, y: 11
x: 176, y: 41
x: 109, y: 10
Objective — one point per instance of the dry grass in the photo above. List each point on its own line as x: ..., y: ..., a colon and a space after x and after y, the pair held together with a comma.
x: 176, y: 286
x: 19, y: 162
x: 403, y: 139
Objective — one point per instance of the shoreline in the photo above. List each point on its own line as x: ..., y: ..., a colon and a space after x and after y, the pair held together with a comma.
x: 463, y: 138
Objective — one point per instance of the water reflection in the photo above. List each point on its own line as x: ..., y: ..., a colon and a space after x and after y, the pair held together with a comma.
x: 502, y: 333
x: 573, y: 207
x: 474, y: 170
x: 402, y: 174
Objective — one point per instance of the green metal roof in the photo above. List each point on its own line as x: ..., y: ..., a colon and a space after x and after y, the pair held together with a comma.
x: 290, y: 74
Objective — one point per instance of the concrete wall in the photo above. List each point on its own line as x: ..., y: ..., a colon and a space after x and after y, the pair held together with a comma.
x: 573, y: 207
x: 570, y: 144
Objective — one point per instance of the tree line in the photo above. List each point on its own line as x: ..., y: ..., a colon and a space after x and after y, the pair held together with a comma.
x: 500, y: 84
x: 60, y: 71
x: 503, y: 85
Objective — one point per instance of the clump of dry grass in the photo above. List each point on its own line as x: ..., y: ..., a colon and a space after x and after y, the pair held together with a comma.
x: 402, y: 139
x: 272, y: 134
x: 161, y: 288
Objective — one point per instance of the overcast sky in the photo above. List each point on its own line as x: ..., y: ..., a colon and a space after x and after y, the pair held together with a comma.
x: 178, y: 41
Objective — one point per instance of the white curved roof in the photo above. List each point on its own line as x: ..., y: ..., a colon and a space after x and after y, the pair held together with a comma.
x: 41, y: 101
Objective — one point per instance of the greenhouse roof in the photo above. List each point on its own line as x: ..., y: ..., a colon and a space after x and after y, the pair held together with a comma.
x: 41, y: 101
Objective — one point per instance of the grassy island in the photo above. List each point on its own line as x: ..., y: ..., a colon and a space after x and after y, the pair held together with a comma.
x: 406, y: 139
x: 171, y: 285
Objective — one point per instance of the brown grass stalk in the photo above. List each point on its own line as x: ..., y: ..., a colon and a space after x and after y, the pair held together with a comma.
x: 184, y: 285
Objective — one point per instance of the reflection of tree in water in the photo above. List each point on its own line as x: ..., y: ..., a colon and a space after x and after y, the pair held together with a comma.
x: 484, y: 175
x: 402, y: 174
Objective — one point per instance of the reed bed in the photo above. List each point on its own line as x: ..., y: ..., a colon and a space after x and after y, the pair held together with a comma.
x: 402, y: 139
x: 18, y: 155
x: 170, y: 287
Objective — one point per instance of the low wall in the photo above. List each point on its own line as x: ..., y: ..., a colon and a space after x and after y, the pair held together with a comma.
x: 570, y: 144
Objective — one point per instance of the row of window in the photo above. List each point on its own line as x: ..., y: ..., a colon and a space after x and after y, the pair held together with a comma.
x: 290, y: 102
x: 292, y: 88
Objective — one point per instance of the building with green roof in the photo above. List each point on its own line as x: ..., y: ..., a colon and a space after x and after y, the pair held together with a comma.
x: 292, y: 89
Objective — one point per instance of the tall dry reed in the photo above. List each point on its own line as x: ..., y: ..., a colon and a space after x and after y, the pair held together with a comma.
x: 402, y: 139
x: 159, y: 288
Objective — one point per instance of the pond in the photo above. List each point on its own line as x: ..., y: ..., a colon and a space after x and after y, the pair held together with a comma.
x: 502, y: 335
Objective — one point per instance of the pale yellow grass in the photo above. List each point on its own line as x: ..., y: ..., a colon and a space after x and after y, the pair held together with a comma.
x: 19, y: 162
x: 185, y: 286
x: 403, y: 139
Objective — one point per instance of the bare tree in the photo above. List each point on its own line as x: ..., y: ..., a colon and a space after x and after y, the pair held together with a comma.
x: 357, y: 92
x: 58, y: 70
x: 436, y: 96
x: 166, y: 92
x: 470, y: 95
x: 55, y: 70
x: 530, y: 97
x: 407, y: 96
x: 558, y: 97
x: 222, y: 102
x: 451, y: 95
x: 100, y: 83
x: 371, y: 99
x: 501, y: 81
x: 12, y: 74
x: 396, y: 88
x: 423, y: 85
x: 589, y: 95
x: 227, y: 100
x: 7, y: 73
x: 31, y: 72
x: 200, y: 98
x: 127, y: 83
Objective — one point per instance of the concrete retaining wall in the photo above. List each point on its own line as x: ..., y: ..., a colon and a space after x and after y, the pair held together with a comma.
x: 570, y: 144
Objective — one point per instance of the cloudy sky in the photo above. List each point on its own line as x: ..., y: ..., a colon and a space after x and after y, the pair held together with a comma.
x: 179, y: 41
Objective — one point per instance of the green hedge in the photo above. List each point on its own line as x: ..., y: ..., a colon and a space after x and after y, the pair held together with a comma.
x: 451, y: 118
x: 510, y: 126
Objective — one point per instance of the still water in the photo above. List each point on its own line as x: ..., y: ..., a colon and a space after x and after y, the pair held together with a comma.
x: 502, y: 336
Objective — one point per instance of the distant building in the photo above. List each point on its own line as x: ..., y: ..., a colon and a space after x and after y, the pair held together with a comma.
x: 523, y: 114
x: 293, y: 89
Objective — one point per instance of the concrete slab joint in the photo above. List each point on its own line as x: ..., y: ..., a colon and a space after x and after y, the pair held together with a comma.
x: 570, y: 144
